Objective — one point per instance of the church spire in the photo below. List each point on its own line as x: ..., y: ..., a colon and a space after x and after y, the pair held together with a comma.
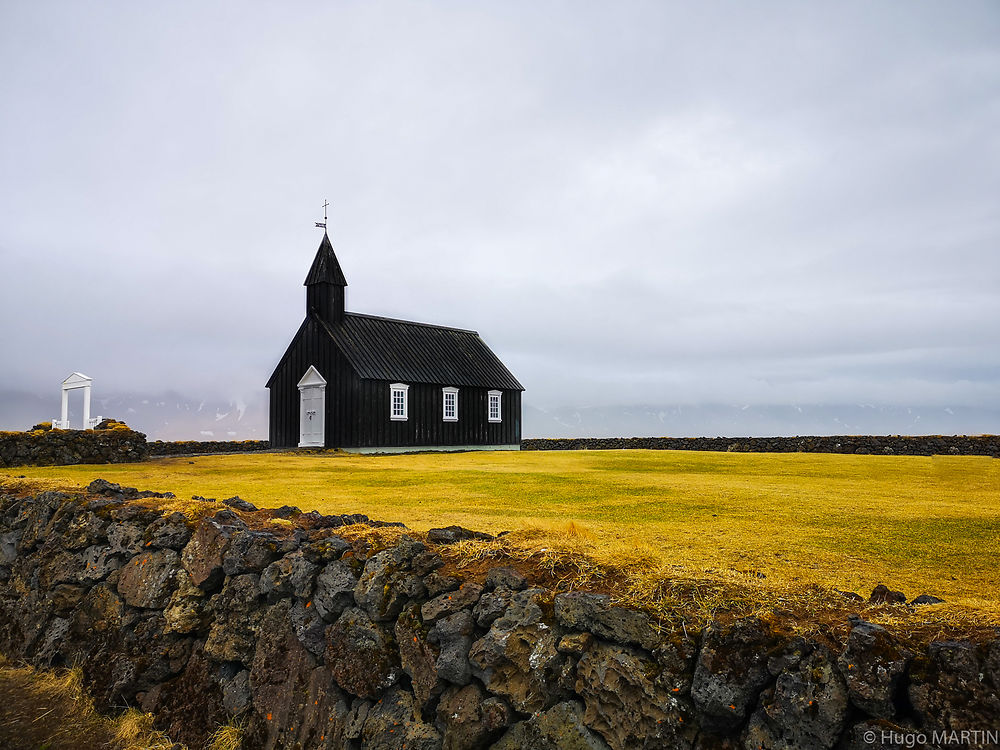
x: 325, y: 285
x: 325, y: 268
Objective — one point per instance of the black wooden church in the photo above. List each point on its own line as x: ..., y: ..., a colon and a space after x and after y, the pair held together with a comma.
x: 371, y: 384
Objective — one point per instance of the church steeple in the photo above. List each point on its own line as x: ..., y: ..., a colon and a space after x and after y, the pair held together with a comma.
x: 325, y: 285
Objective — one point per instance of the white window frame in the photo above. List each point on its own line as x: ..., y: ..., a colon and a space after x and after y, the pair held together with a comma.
x: 402, y: 388
x: 445, y: 392
x: 490, y: 395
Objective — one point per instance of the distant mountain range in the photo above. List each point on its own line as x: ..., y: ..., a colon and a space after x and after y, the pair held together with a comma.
x: 167, y: 416
x: 172, y: 416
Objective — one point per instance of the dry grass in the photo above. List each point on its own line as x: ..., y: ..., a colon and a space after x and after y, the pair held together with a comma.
x: 133, y: 730
x: 50, y: 710
x: 681, y: 532
x: 227, y: 737
x: 685, y: 598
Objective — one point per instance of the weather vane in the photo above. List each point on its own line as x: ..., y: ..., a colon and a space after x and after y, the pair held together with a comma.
x: 323, y: 224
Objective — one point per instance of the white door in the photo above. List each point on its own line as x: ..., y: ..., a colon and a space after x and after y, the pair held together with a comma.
x: 312, y: 417
x: 312, y: 409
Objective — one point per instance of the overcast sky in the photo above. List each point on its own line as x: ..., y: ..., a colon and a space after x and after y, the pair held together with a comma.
x: 768, y: 202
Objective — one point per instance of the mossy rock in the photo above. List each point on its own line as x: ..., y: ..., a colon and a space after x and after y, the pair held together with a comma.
x: 112, y: 424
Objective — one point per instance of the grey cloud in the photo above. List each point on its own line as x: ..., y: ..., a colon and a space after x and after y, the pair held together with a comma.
x: 632, y: 202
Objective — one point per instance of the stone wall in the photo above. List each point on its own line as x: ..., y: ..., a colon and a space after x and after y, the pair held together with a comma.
x: 57, y: 447
x: 48, y: 447
x: 909, y: 445
x: 192, y: 447
x: 316, y: 641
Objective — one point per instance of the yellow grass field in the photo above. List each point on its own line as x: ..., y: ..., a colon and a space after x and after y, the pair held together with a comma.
x: 767, y: 522
x: 917, y: 524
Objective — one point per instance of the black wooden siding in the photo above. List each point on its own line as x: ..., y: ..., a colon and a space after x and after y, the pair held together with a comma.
x: 425, y: 423
x: 357, y: 410
x: 311, y: 346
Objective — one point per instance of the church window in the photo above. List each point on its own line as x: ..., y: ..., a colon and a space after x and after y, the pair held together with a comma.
x: 493, y: 409
x: 397, y: 401
x: 450, y: 404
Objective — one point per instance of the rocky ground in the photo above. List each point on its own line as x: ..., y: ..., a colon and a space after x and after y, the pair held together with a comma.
x: 316, y: 637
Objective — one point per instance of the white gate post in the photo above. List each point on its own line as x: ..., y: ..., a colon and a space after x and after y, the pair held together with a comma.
x: 74, y: 381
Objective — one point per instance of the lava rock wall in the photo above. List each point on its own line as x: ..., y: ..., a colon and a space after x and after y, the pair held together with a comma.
x: 192, y: 447
x: 315, y: 641
x: 60, y: 447
x: 908, y: 445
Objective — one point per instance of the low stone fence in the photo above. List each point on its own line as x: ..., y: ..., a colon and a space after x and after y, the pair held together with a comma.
x: 48, y: 447
x: 311, y: 638
x: 58, y: 447
x: 190, y: 447
x: 909, y: 445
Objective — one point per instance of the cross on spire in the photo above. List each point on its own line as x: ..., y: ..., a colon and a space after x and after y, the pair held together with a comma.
x: 323, y: 224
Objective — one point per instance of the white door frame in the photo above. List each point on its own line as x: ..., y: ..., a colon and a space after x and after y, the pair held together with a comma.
x: 312, y: 388
x: 76, y: 380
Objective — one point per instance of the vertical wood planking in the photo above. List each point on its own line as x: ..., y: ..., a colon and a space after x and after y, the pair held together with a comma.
x: 358, y: 410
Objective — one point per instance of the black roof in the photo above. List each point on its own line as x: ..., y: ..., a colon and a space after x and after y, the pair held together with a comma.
x: 401, y: 350
x: 325, y: 268
x: 409, y: 352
